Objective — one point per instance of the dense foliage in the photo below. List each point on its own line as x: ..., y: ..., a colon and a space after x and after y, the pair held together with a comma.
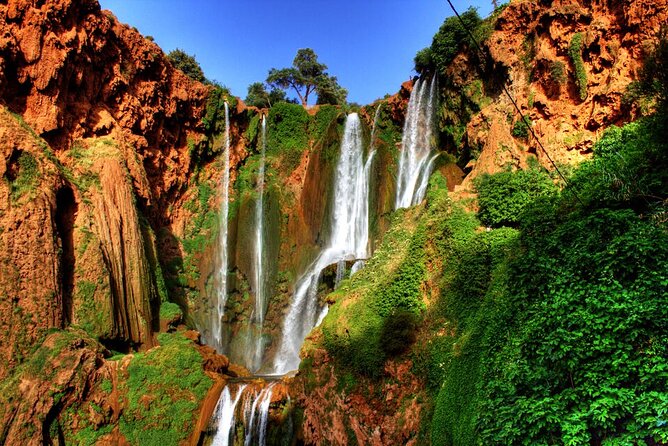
x: 186, y: 63
x: 258, y: 96
x: 561, y: 327
x: 448, y: 41
x: 575, y: 53
x: 502, y: 197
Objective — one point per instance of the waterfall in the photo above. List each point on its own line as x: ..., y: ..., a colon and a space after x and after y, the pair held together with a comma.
x: 257, y: 320
x: 249, y: 407
x: 416, y: 160
x: 348, y: 240
x: 255, y: 419
x: 224, y: 415
x: 217, y: 317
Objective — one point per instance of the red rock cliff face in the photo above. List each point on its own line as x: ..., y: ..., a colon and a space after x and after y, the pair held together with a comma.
x: 103, y: 120
x: 530, y: 44
x: 73, y: 71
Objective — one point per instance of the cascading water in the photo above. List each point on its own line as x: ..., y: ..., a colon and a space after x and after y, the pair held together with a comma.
x: 224, y: 414
x: 348, y: 240
x: 249, y: 408
x: 216, y: 340
x: 255, y: 350
x: 417, y: 159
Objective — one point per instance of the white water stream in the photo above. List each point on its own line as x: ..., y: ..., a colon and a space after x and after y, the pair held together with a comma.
x: 256, y: 350
x: 216, y: 340
x: 417, y: 158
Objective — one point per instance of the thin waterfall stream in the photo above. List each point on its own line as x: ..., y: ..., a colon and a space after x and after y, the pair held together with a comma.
x: 254, y: 362
x: 417, y: 158
x: 216, y: 337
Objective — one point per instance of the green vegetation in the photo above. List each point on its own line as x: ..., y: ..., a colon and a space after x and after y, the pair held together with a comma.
x: 259, y: 97
x: 186, y: 63
x: 448, y: 41
x: 521, y: 128
x: 202, y: 229
x: 383, y: 301
x: 170, y: 311
x: 502, y: 197
x: 575, y: 53
x: 560, y: 322
x: 307, y: 76
x: 26, y: 178
x: 287, y: 126
x: 650, y: 92
x: 558, y: 72
x: 164, y: 388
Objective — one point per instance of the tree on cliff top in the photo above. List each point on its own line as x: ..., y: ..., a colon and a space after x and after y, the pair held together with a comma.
x: 307, y: 76
x: 259, y: 97
x: 186, y: 63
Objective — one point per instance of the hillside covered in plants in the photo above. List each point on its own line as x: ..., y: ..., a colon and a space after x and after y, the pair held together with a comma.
x: 478, y: 258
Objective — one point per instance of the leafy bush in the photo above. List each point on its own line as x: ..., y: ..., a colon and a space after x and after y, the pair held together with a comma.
x: 521, y: 129
x: 423, y: 61
x: 451, y: 38
x: 186, y: 63
x: 561, y: 326
x: 575, y: 53
x: 503, y: 196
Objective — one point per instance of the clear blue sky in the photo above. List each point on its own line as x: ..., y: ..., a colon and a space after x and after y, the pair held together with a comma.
x: 368, y: 44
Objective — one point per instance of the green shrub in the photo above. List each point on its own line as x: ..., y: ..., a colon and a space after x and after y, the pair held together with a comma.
x: 521, y: 128
x: 575, y: 53
x: 558, y: 72
x: 186, y: 63
x: 503, y: 196
x: 423, y: 61
x: 560, y: 326
x: 451, y: 38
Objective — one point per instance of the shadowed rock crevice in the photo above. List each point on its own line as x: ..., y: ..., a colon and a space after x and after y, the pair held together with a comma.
x: 66, y: 211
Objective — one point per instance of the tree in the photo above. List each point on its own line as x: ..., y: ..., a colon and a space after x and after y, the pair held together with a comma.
x: 329, y: 91
x: 307, y: 76
x: 259, y: 97
x: 186, y: 63
x: 423, y: 61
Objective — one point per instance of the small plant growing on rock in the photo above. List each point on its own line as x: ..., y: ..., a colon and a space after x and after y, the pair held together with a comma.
x: 558, y: 72
x: 521, y: 129
x: 575, y: 53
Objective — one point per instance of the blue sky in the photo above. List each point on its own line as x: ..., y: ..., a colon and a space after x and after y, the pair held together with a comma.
x: 368, y: 44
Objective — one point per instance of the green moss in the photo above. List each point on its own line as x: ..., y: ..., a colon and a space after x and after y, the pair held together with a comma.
x: 170, y: 311
x: 106, y: 385
x: 90, y: 313
x: 27, y: 178
x: 164, y: 389
x: 287, y: 129
x: 575, y: 53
